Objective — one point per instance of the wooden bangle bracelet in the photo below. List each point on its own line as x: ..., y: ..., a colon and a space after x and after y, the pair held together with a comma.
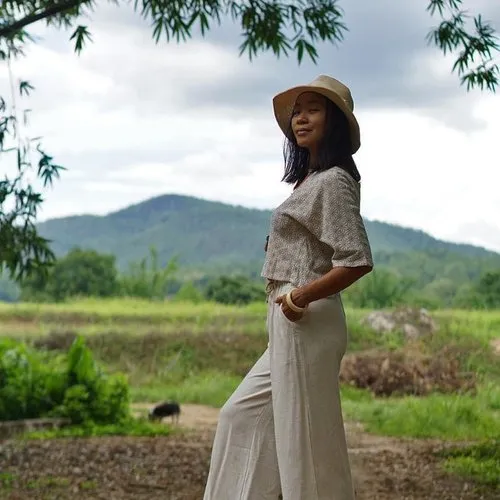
x: 291, y: 305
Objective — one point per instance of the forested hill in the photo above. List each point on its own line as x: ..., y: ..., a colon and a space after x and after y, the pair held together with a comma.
x: 206, y: 232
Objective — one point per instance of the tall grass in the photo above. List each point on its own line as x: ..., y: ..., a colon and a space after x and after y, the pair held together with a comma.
x: 458, y: 323
x: 199, y: 353
x: 444, y: 416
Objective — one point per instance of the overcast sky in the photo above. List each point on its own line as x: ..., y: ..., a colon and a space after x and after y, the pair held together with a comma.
x: 131, y: 119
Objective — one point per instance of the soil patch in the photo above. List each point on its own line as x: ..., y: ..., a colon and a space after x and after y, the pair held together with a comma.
x: 175, y: 468
x: 406, y: 371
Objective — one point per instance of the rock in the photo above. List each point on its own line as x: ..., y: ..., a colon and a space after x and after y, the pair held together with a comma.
x: 380, y: 321
x: 413, y: 322
x: 495, y: 346
x: 411, y: 332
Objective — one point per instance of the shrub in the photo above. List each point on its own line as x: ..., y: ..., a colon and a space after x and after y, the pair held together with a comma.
x: 36, y: 384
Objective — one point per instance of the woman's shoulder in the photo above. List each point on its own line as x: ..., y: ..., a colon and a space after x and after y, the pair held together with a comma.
x: 336, y: 177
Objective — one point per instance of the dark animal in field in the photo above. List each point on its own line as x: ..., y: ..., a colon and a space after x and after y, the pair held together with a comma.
x: 167, y: 409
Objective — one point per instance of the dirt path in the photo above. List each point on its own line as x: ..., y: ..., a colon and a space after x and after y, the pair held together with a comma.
x: 384, y: 468
x: 175, y: 467
x: 196, y: 417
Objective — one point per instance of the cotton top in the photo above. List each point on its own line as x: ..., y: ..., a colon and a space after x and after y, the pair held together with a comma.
x: 318, y: 227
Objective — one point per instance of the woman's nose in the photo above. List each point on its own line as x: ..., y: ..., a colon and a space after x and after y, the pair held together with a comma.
x: 301, y: 118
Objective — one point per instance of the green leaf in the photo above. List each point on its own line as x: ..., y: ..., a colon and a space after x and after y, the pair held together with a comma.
x: 25, y: 88
x: 81, y: 35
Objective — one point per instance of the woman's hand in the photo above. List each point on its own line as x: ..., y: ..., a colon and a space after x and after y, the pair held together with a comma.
x: 290, y: 314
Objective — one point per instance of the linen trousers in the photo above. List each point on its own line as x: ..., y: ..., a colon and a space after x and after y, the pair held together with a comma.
x: 281, y: 432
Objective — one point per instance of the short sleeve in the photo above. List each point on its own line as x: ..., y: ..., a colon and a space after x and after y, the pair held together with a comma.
x: 335, y: 219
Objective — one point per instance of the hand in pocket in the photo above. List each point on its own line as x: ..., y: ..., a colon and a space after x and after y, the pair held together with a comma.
x: 290, y: 314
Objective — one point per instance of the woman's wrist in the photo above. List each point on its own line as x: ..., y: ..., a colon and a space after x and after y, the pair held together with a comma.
x: 299, y: 298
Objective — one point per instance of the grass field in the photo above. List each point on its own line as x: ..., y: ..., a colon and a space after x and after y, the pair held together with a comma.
x: 199, y: 353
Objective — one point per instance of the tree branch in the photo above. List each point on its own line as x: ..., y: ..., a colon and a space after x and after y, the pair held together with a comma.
x: 7, y: 30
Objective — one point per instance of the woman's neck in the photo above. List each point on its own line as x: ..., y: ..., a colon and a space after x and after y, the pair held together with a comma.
x: 312, y: 160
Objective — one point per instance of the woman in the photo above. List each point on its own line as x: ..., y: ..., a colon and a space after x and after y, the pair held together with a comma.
x: 281, y: 433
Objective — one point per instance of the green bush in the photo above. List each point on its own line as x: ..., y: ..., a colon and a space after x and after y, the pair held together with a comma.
x: 188, y: 293
x: 36, y: 384
x: 234, y: 290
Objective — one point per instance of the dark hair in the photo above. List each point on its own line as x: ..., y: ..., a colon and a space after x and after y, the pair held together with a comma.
x: 334, y: 149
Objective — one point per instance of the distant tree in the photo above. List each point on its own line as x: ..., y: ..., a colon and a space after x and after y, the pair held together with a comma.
x: 188, y: 292
x: 381, y: 288
x: 440, y: 292
x: 146, y: 278
x: 277, y: 26
x: 483, y: 294
x: 80, y: 272
x: 234, y: 290
x: 467, y: 298
x: 488, y: 289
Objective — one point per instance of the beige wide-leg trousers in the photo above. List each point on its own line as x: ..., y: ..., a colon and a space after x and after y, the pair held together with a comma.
x: 281, y: 431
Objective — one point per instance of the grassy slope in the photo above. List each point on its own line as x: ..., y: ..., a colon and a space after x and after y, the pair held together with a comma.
x: 198, y: 353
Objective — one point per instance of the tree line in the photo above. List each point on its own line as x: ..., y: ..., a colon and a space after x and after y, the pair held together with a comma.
x: 88, y: 273
x: 278, y: 27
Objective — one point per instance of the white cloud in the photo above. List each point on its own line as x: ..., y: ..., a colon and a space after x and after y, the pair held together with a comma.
x: 418, y: 172
x: 131, y: 120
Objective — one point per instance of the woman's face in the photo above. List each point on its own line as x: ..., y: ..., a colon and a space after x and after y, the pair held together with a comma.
x: 309, y: 119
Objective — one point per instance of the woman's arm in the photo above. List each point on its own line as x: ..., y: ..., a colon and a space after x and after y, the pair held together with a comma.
x: 335, y: 219
x: 334, y: 281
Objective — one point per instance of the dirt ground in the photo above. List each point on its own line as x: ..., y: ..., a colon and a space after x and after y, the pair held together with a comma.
x: 175, y: 468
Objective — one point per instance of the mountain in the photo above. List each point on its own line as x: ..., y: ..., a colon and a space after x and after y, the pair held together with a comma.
x: 201, y: 232
x: 206, y: 233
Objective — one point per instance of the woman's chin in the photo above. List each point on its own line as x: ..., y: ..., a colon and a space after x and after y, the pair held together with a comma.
x: 302, y: 143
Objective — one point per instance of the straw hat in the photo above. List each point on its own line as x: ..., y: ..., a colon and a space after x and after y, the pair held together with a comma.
x: 332, y: 89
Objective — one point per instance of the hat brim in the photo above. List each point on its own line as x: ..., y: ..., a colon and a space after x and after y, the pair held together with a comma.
x: 284, y: 102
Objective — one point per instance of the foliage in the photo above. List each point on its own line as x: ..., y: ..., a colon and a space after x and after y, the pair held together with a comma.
x: 87, y: 273
x: 475, y: 40
x: 277, y: 26
x: 486, y: 293
x: 234, y: 290
x: 197, y: 233
x: 147, y: 279
x: 385, y: 287
x: 35, y: 384
x: 189, y: 293
x: 381, y: 288
x: 22, y: 250
x: 79, y: 273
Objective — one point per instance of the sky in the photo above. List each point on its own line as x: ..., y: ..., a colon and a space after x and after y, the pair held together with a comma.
x: 131, y: 119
